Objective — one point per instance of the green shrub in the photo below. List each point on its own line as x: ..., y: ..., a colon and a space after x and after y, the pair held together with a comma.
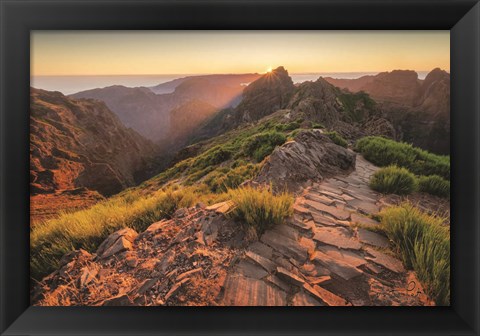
x: 213, y: 156
x: 86, y: 229
x: 394, y: 180
x: 317, y: 125
x: 221, y: 180
x: 434, y: 185
x: 424, y: 244
x: 384, y: 152
x: 261, y: 145
x: 287, y: 127
x: 337, y: 139
x: 259, y: 208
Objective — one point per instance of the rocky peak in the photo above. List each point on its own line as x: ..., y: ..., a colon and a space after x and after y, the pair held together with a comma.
x: 398, y: 86
x: 267, y: 94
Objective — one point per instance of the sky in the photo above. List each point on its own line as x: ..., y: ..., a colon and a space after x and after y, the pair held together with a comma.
x: 58, y: 53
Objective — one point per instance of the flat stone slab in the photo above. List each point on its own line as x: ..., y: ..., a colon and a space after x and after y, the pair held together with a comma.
x: 363, y: 220
x: 250, y: 270
x: 285, y: 246
x: 289, y: 277
x: 301, y: 300
x: 241, y: 291
x: 323, y: 220
x: 302, y: 225
x: 364, y: 206
x: 336, y: 237
x: 350, y: 257
x: 385, y: 260
x: 273, y: 279
x: 337, y: 266
x: 319, y: 198
x: 325, y: 296
x: 372, y: 238
x: 261, y: 261
x: 221, y: 207
x: 261, y: 249
x: 301, y: 210
x: 331, y: 210
x: 286, y: 231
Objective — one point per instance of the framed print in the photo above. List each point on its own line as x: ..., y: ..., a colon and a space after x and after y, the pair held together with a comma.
x: 224, y: 167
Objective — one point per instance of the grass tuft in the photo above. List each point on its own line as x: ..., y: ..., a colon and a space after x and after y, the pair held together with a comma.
x: 393, y: 180
x: 434, y: 185
x: 424, y: 244
x: 259, y: 208
x: 337, y: 139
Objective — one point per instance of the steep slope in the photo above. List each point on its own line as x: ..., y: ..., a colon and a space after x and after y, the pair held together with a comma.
x: 138, y: 108
x: 269, y: 93
x: 184, y: 119
x: 352, y: 115
x: 419, y: 109
x: 149, y: 113
x: 81, y: 143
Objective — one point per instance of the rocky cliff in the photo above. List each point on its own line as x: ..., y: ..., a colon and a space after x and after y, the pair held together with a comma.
x: 81, y: 143
x: 418, y: 109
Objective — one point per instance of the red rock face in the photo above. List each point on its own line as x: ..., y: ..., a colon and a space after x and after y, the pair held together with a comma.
x: 418, y: 109
x: 81, y: 143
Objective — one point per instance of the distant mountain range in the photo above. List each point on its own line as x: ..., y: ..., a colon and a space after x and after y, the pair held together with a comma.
x: 147, y: 110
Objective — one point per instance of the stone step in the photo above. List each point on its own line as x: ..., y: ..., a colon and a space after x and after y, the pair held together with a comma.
x: 337, y: 266
x: 338, y: 237
x: 241, y: 291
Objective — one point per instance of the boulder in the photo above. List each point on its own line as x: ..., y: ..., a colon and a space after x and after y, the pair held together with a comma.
x: 312, y: 156
x: 118, y: 241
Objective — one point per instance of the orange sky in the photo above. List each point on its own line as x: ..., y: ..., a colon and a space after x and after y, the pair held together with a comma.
x: 186, y: 52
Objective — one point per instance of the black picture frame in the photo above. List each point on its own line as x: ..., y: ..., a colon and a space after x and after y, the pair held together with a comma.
x: 19, y: 17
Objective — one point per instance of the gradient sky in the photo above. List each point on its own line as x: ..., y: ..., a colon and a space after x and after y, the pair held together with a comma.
x: 200, y: 52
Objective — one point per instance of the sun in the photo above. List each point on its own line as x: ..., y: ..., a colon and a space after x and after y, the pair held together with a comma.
x: 269, y: 69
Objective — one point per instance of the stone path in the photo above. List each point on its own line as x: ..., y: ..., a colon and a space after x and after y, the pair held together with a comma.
x: 328, y: 253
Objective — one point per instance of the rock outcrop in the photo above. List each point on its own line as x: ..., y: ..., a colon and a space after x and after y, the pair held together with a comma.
x: 311, y: 156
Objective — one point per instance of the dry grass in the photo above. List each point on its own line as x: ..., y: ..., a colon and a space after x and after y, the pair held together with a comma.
x: 259, y: 208
x: 86, y: 229
x: 424, y: 244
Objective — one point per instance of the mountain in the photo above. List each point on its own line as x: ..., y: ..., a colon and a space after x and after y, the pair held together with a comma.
x: 79, y: 145
x: 419, y: 109
x: 352, y: 114
x: 149, y: 113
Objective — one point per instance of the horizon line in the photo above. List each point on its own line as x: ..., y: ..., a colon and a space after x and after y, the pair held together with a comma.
x: 230, y: 73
